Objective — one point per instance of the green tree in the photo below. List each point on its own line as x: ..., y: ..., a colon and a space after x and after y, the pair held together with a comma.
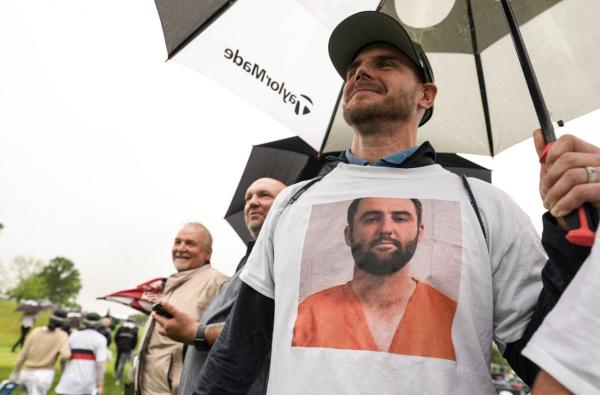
x: 20, y: 268
x: 32, y: 287
x: 63, y: 281
x: 58, y: 280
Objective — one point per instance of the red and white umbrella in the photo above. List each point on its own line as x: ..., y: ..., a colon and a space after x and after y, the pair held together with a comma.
x: 141, y: 297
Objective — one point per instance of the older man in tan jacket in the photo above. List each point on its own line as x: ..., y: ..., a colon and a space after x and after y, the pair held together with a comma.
x: 191, y: 289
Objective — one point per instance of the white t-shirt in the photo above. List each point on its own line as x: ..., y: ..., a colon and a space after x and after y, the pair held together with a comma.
x: 79, y: 376
x: 567, y: 344
x: 302, y: 250
x: 28, y: 320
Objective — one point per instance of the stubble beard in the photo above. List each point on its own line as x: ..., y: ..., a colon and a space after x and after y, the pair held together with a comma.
x: 381, y: 265
x: 254, y: 228
x: 393, y: 109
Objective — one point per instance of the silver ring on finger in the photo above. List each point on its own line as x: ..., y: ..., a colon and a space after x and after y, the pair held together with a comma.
x: 592, y: 175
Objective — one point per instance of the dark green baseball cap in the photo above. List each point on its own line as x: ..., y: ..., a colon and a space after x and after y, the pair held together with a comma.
x: 369, y: 27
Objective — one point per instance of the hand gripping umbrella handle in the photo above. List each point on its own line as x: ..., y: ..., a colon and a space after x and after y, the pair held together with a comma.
x: 581, y: 223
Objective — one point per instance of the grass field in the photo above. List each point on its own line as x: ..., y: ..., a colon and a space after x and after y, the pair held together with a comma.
x: 10, y: 333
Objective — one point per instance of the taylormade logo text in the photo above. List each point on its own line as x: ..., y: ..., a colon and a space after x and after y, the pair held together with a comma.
x: 302, y: 103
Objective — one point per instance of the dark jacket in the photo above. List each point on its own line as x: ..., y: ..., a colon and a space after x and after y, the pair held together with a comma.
x: 217, y: 312
x: 126, y: 338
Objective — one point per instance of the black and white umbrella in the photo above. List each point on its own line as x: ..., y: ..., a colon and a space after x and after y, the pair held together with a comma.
x: 274, y: 54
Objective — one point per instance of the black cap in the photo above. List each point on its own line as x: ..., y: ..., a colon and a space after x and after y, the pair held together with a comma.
x: 369, y: 27
x: 59, y: 315
x: 91, y: 320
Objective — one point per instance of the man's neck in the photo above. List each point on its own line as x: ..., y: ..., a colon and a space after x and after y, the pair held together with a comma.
x: 382, y: 139
x: 382, y: 292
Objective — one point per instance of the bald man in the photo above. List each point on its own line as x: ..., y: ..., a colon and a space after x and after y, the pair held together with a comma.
x: 185, y: 329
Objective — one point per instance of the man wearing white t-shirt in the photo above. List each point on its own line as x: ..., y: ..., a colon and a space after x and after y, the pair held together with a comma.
x: 84, y: 373
x: 483, y: 244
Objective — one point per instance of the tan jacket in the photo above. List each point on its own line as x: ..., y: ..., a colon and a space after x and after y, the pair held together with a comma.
x: 42, y: 348
x: 160, y: 358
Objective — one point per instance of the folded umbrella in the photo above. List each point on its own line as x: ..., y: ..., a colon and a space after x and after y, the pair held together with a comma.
x: 141, y: 297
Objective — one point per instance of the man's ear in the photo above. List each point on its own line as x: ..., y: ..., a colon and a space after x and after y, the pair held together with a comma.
x: 421, y: 229
x: 429, y: 93
x: 348, y: 236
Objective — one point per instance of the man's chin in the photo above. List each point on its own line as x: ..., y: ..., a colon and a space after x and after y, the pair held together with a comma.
x: 182, y: 265
x: 255, y: 225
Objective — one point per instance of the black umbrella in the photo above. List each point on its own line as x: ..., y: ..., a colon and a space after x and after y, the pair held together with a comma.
x: 291, y: 160
x: 34, y: 306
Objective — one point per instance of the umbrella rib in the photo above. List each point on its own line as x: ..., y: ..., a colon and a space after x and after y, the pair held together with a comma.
x: 201, y: 28
x: 331, y: 119
x: 480, y: 79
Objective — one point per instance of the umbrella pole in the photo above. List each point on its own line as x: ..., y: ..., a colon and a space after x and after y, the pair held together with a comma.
x: 581, y: 223
x: 532, y: 84
x: 480, y: 79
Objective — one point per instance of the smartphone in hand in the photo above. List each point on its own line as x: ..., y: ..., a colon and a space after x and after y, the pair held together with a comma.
x: 160, y: 310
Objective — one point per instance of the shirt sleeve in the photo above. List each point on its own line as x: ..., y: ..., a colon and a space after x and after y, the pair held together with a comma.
x: 566, y: 344
x: 516, y: 258
x: 23, y: 354
x: 64, y: 352
x: 101, y: 350
x: 258, y: 272
x: 564, y: 260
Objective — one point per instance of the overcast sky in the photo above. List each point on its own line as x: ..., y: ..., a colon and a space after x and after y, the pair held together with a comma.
x: 106, y: 149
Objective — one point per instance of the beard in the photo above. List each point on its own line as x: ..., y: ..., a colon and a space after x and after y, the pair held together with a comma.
x: 379, y: 265
x: 392, y: 108
x: 254, y: 227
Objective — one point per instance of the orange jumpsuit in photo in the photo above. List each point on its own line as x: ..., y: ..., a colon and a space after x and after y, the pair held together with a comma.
x: 334, y: 318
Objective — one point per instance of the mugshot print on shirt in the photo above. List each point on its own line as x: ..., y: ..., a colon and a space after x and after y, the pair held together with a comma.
x: 380, y: 274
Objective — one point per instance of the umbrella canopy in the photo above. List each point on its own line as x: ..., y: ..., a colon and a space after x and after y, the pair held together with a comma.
x: 34, y: 306
x: 292, y: 160
x: 141, y: 297
x: 274, y: 54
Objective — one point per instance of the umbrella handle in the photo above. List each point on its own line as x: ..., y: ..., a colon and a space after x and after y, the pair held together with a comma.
x: 581, y: 223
